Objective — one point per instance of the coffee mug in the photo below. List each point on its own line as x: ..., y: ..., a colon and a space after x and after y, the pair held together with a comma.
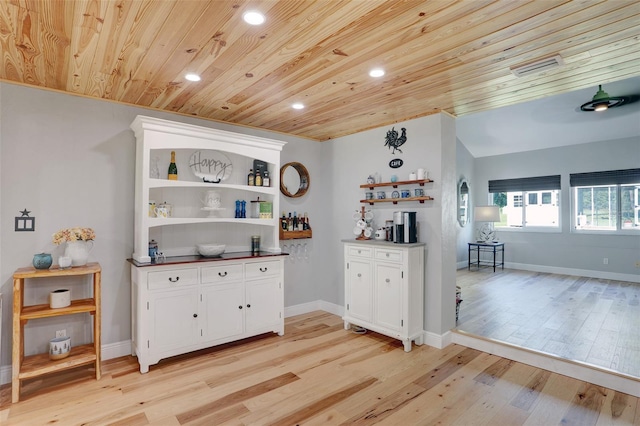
x: 361, y: 224
x: 406, y: 193
x: 395, y: 194
x: 381, y: 234
x: 161, y: 212
x: 381, y: 195
x: 369, y: 195
x: 419, y: 192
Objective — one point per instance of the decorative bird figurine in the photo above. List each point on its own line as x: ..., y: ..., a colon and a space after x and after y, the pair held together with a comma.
x: 393, y: 141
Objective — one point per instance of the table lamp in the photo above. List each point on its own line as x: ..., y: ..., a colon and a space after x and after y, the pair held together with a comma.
x: 488, y: 215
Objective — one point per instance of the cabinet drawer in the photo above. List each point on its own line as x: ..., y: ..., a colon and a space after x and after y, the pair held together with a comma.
x: 172, y: 278
x: 262, y: 269
x: 221, y: 274
x: 359, y: 251
x: 389, y: 255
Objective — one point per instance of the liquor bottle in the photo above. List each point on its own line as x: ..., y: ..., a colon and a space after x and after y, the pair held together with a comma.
x: 306, y: 222
x: 266, y: 180
x: 290, y: 223
x: 251, y: 179
x: 173, y: 169
x: 295, y: 221
x: 283, y: 221
x: 258, y: 178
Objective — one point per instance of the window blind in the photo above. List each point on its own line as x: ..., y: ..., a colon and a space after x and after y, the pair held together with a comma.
x: 537, y: 183
x: 609, y: 177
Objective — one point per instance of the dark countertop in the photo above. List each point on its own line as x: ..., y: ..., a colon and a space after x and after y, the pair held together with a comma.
x: 382, y: 243
x: 176, y: 260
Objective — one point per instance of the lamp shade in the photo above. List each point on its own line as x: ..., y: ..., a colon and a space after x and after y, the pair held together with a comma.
x: 487, y: 214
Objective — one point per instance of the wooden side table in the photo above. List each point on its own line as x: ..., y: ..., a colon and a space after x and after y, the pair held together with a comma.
x: 39, y: 364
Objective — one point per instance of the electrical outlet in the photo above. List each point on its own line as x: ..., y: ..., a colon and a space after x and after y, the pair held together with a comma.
x: 605, y: 260
x: 61, y: 333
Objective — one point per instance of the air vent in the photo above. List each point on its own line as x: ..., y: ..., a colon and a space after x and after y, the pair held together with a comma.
x: 537, y: 66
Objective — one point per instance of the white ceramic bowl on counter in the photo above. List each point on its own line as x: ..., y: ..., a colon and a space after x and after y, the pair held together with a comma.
x: 211, y: 250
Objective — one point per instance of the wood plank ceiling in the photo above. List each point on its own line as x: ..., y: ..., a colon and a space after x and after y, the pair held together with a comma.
x: 452, y: 56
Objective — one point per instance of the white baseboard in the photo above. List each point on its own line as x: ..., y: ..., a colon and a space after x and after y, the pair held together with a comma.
x: 605, y: 275
x: 438, y: 341
x: 577, y: 370
x: 318, y: 305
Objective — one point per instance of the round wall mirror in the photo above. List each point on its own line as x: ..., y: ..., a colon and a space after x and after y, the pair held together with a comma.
x: 463, y: 202
x: 294, y: 180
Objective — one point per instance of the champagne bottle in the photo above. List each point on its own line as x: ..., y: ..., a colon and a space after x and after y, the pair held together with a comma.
x: 173, y: 169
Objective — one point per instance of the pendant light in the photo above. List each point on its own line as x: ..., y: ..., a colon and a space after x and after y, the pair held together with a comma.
x: 602, y: 101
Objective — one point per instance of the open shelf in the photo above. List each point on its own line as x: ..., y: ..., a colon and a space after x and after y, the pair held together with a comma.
x: 295, y: 235
x: 420, y: 182
x: 421, y: 200
x: 44, y: 311
x: 37, y: 365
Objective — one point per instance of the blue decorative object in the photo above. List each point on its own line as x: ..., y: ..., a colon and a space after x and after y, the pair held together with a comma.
x: 243, y: 212
x: 394, y: 178
x: 42, y: 261
x: 238, y: 211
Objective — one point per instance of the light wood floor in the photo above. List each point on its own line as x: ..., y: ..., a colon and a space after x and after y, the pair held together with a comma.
x: 583, y: 319
x: 320, y: 374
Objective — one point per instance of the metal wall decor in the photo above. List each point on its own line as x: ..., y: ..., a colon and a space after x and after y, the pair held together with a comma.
x: 394, y: 141
x: 25, y: 222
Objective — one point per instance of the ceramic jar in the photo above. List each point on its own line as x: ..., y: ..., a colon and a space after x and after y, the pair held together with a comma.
x: 42, y: 261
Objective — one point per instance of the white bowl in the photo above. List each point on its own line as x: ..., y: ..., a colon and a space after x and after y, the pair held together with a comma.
x: 210, y: 250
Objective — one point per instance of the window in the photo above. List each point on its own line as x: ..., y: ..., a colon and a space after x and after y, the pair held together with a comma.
x: 542, y: 195
x: 606, y: 201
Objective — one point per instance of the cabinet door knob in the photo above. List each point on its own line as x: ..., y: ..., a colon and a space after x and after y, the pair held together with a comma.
x: 195, y: 315
x: 263, y: 269
x: 359, y: 275
x: 387, y: 280
x: 174, y: 280
x: 387, y: 254
x: 248, y: 305
x: 359, y: 252
x: 240, y: 307
x: 222, y: 275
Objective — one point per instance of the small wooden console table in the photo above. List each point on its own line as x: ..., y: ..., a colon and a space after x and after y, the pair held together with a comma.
x: 490, y: 247
x: 37, y: 365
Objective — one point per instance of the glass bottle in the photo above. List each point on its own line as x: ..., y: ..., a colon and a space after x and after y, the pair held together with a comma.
x: 266, y: 180
x: 251, y: 178
x: 173, y: 169
x: 258, y: 178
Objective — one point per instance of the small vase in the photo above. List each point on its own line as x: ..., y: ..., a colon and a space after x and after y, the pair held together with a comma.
x: 42, y: 261
x: 78, y: 251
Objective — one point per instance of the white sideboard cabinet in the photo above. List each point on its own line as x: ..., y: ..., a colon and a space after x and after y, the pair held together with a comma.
x: 384, y: 288
x: 183, y: 307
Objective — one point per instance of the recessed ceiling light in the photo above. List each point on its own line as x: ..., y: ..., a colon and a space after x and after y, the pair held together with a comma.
x: 376, y: 72
x: 192, y: 77
x: 297, y: 105
x: 253, y: 17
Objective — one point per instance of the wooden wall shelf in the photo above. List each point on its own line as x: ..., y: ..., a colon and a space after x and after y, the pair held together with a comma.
x: 295, y: 235
x: 421, y: 200
x: 420, y: 182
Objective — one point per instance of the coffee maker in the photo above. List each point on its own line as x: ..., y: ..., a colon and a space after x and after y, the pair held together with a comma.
x: 405, y: 229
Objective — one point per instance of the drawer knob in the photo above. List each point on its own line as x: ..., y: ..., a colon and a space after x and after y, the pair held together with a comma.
x: 248, y: 305
x: 359, y: 275
x: 387, y: 254
x: 240, y: 307
x: 263, y: 269
x: 222, y: 275
x: 387, y: 280
x: 359, y: 252
x: 174, y: 280
x: 195, y: 315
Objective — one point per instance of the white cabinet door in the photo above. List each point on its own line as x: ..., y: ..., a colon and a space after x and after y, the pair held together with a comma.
x: 263, y: 301
x: 173, y: 319
x: 388, y: 296
x: 222, y: 310
x: 359, y: 289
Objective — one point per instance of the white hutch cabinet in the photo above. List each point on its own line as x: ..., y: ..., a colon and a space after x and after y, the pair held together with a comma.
x: 188, y: 302
x: 384, y: 288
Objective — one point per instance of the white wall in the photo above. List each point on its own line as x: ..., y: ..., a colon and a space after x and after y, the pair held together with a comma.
x: 430, y: 144
x: 578, y: 253
x: 465, y: 169
x: 70, y: 161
